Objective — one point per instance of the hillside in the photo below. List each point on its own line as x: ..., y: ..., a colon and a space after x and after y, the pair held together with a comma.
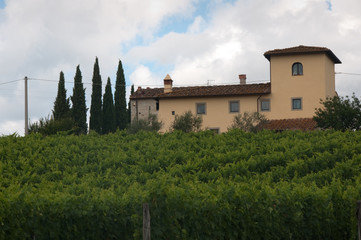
x: 289, y: 185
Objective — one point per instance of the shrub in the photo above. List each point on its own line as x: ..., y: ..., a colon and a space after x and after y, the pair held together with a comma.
x: 150, y: 124
x: 249, y: 122
x: 187, y: 122
x: 49, y: 126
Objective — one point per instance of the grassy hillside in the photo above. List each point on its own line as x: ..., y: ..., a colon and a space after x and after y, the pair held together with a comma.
x: 290, y: 185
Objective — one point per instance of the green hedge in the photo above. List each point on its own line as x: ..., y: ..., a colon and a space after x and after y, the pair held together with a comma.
x: 290, y: 185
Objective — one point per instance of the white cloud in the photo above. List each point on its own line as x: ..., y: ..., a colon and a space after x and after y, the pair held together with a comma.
x: 40, y: 38
x: 143, y: 77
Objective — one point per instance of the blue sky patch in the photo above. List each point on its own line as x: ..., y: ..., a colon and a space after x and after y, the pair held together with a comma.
x: 329, y: 4
x: 2, y: 4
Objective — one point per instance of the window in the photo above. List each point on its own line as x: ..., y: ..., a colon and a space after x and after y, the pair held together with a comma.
x: 214, y: 130
x: 234, y: 106
x: 173, y: 113
x: 157, y: 105
x: 201, y: 108
x: 265, y: 105
x: 297, y: 69
x: 296, y: 104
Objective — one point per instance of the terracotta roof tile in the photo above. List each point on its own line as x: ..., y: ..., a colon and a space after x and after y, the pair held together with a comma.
x: 219, y: 90
x: 146, y: 93
x: 204, y: 91
x: 302, y: 49
x: 291, y: 124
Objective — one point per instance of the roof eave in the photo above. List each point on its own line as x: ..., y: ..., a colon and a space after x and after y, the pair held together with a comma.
x: 225, y: 95
x: 328, y: 52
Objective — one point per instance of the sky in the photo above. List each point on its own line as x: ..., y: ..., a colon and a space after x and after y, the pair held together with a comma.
x: 195, y: 41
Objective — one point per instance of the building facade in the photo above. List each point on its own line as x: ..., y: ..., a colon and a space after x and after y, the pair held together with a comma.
x: 300, y: 77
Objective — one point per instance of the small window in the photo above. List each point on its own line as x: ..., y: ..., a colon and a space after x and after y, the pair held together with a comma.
x: 214, y: 130
x: 157, y: 105
x: 296, y: 103
x: 234, y: 106
x: 265, y: 105
x: 297, y: 69
x: 173, y: 112
x: 201, y: 108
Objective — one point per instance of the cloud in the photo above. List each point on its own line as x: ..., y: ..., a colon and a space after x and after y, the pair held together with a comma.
x: 40, y: 38
x: 222, y: 39
x: 236, y: 34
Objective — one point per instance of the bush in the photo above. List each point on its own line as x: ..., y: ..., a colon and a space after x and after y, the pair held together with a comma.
x: 49, y: 126
x: 151, y: 124
x: 187, y: 122
x: 339, y: 113
x: 249, y: 122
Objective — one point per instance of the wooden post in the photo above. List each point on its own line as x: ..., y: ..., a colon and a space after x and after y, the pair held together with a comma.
x: 146, y: 222
x: 358, y: 215
x: 26, y: 106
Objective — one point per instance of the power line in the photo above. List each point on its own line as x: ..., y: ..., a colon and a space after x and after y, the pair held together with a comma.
x: 3, y: 83
x: 87, y: 83
x: 355, y: 74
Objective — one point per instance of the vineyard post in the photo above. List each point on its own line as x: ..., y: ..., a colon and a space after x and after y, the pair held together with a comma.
x: 358, y: 215
x: 26, y: 106
x: 146, y: 222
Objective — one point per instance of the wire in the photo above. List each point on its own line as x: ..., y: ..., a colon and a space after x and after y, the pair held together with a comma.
x: 11, y: 81
x: 56, y: 81
x: 356, y: 74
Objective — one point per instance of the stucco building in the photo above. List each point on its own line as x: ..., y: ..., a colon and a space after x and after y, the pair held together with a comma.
x: 299, y: 77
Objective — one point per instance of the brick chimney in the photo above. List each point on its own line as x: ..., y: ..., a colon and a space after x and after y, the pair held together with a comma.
x: 242, y: 79
x: 168, y: 84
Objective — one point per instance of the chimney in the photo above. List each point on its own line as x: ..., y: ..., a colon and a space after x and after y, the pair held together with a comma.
x: 168, y: 83
x: 242, y: 79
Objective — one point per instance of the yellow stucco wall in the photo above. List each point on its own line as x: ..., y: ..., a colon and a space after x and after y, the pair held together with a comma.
x: 317, y: 82
x: 217, y: 110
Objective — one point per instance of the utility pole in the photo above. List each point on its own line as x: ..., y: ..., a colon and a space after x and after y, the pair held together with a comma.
x: 26, y: 107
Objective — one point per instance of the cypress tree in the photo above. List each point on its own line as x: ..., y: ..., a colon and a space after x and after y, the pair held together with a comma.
x: 108, y: 110
x: 95, y: 122
x: 129, y: 106
x: 120, y: 104
x: 79, y: 106
x: 61, y: 104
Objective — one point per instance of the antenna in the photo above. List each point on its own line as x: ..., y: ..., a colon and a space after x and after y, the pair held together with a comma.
x: 209, y: 82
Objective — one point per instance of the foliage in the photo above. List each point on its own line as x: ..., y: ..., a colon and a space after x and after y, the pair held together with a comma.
x: 120, y: 104
x: 150, y: 124
x: 339, y: 113
x: 236, y: 185
x: 187, y: 122
x: 129, y: 110
x: 50, y: 125
x: 249, y: 122
x: 61, y: 105
x: 95, y: 122
x: 79, y: 108
x: 108, y: 110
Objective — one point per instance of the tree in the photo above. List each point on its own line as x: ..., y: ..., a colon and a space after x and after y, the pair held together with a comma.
x: 108, y: 110
x: 79, y: 109
x: 61, y: 104
x: 129, y: 107
x: 339, y: 113
x: 50, y: 126
x: 120, y: 104
x: 151, y: 124
x: 187, y: 122
x: 95, y: 122
x: 249, y: 122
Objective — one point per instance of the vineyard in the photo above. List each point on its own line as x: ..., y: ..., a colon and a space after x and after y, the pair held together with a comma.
x: 237, y: 185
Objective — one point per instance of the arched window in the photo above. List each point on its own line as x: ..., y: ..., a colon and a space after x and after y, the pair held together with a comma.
x: 297, y: 69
